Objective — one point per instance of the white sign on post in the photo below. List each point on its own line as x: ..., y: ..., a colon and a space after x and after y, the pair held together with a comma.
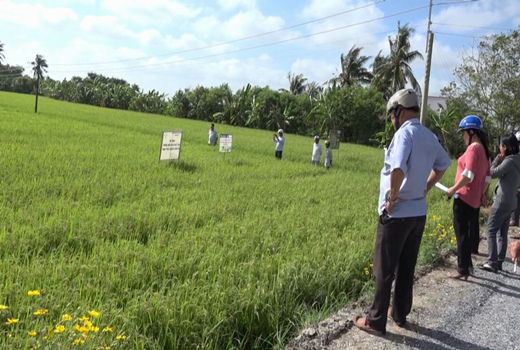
x: 171, y: 145
x: 225, y: 143
x: 334, y: 137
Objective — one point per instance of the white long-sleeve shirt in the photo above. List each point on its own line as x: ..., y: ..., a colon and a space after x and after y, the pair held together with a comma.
x: 316, y: 152
x: 213, y: 136
x: 328, y: 156
x: 279, y: 143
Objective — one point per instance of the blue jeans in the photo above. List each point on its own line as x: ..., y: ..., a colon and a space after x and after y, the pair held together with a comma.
x: 496, y: 232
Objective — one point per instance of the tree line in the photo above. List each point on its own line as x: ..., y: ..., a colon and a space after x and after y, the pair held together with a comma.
x: 353, y: 101
x: 487, y: 83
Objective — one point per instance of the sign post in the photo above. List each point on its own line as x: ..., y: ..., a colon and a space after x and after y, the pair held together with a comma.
x: 225, y: 143
x: 334, y: 137
x: 171, y: 145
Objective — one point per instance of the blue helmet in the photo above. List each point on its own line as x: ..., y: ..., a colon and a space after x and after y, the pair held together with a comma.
x: 470, y: 122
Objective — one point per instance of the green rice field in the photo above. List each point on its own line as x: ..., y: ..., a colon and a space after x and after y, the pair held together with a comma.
x: 205, y: 253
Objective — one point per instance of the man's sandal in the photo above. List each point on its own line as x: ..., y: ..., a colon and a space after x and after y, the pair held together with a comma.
x: 361, y: 323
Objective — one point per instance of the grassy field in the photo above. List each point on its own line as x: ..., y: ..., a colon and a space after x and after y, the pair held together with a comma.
x: 203, y: 254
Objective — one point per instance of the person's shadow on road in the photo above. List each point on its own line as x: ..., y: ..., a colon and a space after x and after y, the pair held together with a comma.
x: 448, y: 342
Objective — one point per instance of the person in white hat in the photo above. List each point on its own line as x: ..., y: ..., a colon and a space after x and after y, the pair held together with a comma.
x: 279, y: 140
x: 414, y: 163
x: 328, y: 154
x: 317, y: 151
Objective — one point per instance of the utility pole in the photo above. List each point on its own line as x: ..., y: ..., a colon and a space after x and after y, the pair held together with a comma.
x: 429, y: 47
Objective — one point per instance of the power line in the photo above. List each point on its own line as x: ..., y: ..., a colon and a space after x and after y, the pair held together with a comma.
x: 439, y: 51
x: 223, y: 43
x: 466, y: 26
x: 463, y: 35
x: 257, y: 46
x: 301, y: 50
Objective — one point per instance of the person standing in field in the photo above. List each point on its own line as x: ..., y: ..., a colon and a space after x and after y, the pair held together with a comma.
x: 213, y: 135
x: 328, y: 155
x: 317, y: 151
x: 279, y: 141
x: 414, y: 162
x: 470, y: 192
x: 505, y: 168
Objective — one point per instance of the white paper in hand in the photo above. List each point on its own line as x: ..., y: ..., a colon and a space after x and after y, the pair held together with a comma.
x: 441, y: 187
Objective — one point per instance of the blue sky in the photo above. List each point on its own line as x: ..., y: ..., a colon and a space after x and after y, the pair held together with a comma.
x: 143, y: 41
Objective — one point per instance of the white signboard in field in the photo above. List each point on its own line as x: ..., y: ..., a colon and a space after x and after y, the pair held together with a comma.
x: 171, y: 145
x: 334, y: 138
x: 225, y: 143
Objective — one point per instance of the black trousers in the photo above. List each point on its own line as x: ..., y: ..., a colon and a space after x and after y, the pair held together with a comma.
x: 516, y: 214
x: 395, y: 255
x: 465, y: 223
x: 278, y: 154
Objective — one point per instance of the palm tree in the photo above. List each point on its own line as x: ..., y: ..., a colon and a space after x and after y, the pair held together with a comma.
x: 382, y: 81
x: 313, y: 89
x: 1, y: 54
x: 39, y: 69
x: 297, y: 84
x: 394, y: 70
x: 352, y: 69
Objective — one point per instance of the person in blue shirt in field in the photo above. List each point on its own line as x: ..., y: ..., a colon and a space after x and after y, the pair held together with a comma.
x: 414, y: 163
x: 280, y: 141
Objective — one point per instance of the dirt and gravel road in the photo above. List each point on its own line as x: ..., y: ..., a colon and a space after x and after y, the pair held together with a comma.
x: 480, y: 314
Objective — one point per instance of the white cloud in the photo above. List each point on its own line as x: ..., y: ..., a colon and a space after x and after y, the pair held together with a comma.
x: 156, y: 12
x: 314, y: 70
x: 243, y: 24
x: 232, y: 4
x: 348, y: 36
x: 165, y: 76
x: 110, y: 28
x: 34, y: 15
x: 480, y: 13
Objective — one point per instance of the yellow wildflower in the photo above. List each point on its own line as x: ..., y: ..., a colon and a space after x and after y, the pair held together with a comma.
x: 32, y: 333
x: 94, y: 329
x: 59, y: 329
x: 371, y: 265
x: 104, y: 347
x: 66, y: 317
x: 453, y: 240
x: 3, y: 307
x: 108, y: 329
x: 41, y: 312
x: 12, y: 321
x: 78, y: 341
x: 33, y: 293
x: 93, y: 313
x: 10, y: 335
x: 77, y: 328
x: 84, y: 319
x: 435, y: 218
x: 121, y: 337
x: 366, y: 271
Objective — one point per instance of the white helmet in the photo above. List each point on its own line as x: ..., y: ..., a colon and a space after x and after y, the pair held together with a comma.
x: 518, y: 136
x: 405, y: 97
x: 280, y: 131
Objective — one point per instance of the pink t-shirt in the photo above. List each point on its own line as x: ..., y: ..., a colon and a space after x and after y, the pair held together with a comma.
x: 473, y: 163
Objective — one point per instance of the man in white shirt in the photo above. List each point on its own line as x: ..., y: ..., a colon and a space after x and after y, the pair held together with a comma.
x: 280, y: 141
x: 213, y: 136
x: 316, y: 151
x: 328, y: 155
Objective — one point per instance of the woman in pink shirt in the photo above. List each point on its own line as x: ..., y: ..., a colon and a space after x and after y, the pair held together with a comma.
x: 470, y: 192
